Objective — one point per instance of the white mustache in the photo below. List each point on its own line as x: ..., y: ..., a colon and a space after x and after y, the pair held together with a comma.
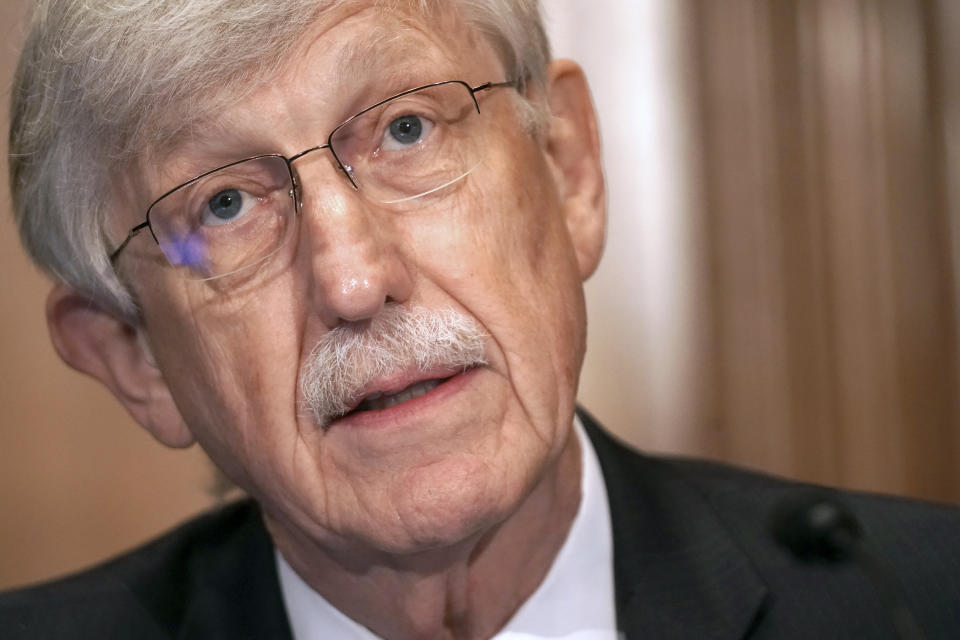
x: 351, y: 356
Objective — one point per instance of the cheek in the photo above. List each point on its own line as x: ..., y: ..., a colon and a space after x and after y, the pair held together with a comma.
x: 505, y: 227
x: 231, y: 363
x: 504, y: 255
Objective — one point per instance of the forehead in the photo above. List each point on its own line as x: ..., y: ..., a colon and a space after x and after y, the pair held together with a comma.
x: 345, y: 47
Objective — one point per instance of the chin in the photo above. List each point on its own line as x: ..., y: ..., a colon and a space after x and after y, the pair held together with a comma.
x: 446, y: 504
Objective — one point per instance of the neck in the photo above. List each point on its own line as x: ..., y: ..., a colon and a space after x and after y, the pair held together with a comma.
x: 469, y: 589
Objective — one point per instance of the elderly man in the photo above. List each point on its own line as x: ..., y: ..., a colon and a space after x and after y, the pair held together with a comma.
x: 340, y: 245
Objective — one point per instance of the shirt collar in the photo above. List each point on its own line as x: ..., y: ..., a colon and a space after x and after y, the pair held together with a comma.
x: 574, y: 602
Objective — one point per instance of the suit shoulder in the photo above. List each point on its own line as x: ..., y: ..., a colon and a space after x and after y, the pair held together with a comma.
x: 744, y: 495
x: 741, y: 492
x: 140, y: 593
x: 917, y: 543
x: 699, y: 515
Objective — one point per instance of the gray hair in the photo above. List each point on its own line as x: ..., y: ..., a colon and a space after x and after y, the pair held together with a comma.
x: 103, y: 83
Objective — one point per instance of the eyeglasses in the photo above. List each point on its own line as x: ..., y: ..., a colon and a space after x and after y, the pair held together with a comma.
x: 416, y: 144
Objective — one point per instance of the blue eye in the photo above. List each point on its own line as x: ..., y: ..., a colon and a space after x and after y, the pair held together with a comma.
x: 405, y: 131
x: 227, y: 206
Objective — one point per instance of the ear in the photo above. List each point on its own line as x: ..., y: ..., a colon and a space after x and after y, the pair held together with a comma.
x: 99, y: 343
x: 573, y: 143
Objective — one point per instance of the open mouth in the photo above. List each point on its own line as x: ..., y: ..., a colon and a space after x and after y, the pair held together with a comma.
x: 379, y: 401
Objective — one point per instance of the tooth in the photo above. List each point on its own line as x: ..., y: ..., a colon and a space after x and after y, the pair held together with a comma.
x: 378, y: 401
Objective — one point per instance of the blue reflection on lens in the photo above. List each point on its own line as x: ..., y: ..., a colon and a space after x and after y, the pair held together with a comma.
x: 188, y: 251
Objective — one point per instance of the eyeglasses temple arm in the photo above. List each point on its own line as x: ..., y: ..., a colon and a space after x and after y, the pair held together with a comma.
x: 492, y: 85
x: 137, y: 229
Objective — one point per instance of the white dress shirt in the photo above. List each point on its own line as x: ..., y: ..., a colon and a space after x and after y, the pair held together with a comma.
x: 574, y: 602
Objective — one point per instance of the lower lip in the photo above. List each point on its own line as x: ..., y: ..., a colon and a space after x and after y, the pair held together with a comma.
x: 400, y: 415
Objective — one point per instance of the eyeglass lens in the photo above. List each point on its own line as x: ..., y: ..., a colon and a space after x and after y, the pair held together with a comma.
x: 415, y: 145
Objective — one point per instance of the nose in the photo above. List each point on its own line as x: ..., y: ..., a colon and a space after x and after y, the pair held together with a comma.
x: 356, y: 261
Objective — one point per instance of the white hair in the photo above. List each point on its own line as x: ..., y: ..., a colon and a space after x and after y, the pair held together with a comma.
x: 102, y: 84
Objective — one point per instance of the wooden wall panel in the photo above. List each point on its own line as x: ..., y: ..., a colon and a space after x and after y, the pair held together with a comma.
x: 832, y: 263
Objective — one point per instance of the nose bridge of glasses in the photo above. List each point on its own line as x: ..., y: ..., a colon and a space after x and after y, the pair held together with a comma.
x: 342, y: 169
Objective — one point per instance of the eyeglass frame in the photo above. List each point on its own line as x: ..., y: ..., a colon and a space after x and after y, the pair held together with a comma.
x: 295, y: 190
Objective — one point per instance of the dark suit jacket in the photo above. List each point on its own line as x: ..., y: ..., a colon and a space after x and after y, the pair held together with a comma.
x: 693, y: 559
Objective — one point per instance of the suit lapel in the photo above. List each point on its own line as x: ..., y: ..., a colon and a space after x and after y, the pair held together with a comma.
x: 239, y: 594
x: 678, y: 572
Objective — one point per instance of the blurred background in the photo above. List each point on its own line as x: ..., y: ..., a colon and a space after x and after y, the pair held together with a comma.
x: 780, y: 286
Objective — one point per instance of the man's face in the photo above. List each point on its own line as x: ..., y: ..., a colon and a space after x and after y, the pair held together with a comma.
x: 497, y: 249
